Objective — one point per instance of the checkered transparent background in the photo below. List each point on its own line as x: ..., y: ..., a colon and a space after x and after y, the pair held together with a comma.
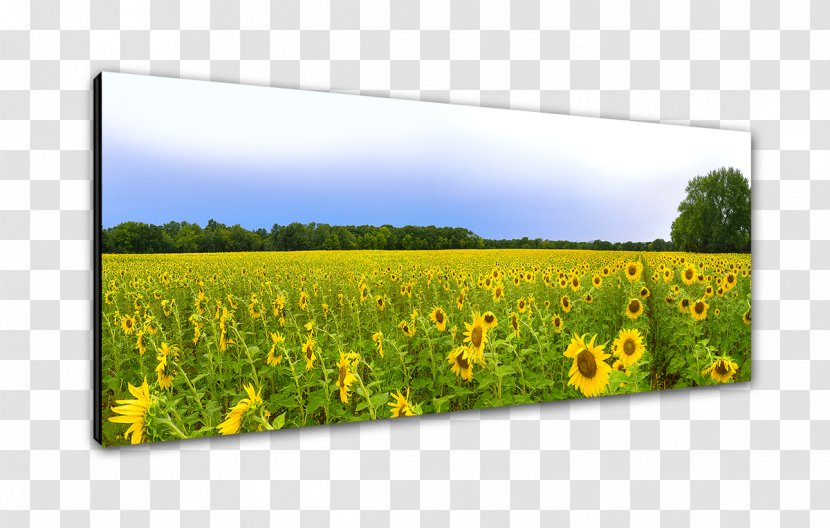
x: 754, y: 454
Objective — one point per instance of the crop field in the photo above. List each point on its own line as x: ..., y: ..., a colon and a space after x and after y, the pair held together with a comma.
x: 205, y: 344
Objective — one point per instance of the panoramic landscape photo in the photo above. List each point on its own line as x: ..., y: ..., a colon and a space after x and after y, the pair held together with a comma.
x: 274, y: 258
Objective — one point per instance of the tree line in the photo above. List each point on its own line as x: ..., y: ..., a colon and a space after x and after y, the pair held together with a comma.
x: 187, y: 237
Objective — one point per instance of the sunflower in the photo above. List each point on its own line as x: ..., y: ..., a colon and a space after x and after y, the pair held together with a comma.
x: 514, y: 322
x: 407, y: 328
x: 401, y: 406
x: 476, y: 336
x: 302, y: 304
x: 439, y: 318
x: 596, y: 281
x: 345, y: 376
x: 628, y: 346
x: 588, y: 298
x: 709, y: 292
x: 521, y: 305
x: 460, y: 302
x: 644, y: 293
x: 589, y: 371
x: 557, y: 323
x: 721, y: 370
x: 575, y: 285
x: 238, y: 416
x: 490, y: 320
x: 308, y: 351
x: 272, y: 358
x: 565, y: 302
x: 633, y: 270
x: 634, y: 308
x: 128, y: 324
x: 689, y: 275
x: 167, y: 306
x: 747, y: 317
x: 717, y: 312
x: 618, y: 365
x: 380, y: 302
x: 730, y: 281
x: 668, y: 275
x: 498, y: 292
x: 377, y: 337
x: 698, y: 310
x: 134, y: 412
x: 459, y: 359
x: 163, y: 371
x: 139, y: 343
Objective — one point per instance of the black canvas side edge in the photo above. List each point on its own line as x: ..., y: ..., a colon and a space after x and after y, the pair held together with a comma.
x: 96, y: 258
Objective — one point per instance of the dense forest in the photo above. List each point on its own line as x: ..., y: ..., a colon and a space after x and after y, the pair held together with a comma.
x: 185, y: 237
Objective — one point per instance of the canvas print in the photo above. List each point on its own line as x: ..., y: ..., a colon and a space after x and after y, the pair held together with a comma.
x: 270, y: 258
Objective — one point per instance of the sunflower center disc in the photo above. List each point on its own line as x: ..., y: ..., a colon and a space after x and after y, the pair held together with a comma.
x: 488, y: 319
x: 699, y: 308
x: 439, y: 316
x: 586, y: 363
x: 634, y: 306
x: 475, y: 336
x: 629, y: 347
x: 342, y: 376
x: 721, y: 368
x: 462, y: 361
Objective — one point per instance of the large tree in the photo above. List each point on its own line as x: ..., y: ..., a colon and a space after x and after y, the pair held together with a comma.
x: 715, y: 216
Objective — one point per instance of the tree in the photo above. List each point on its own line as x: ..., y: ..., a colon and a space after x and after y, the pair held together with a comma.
x: 715, y: 216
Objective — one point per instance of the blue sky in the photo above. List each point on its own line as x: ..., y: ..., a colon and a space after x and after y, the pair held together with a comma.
x: 194, y: 150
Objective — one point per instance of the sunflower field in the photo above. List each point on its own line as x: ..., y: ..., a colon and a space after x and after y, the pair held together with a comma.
x: 198, y: 345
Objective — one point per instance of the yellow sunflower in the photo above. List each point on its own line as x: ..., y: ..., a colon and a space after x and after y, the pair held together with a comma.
x: 747, y: 317
x: 498, y: 292
x: 589, y: 371
x: 163, y: 370
x: 377, y: 337
x: 476, y: 336
x: 345, y: 376
x: 407, y: 328
x: 689, y: 275
x: 721, y: 370
x: 490, y: 320
x: 634, y: 308
x: 596, y: 281
x: 238, y: 416
x: 521, y: 305
x: 134, y: 412
x: 128, y: 324
x: 273, y: 359
x: 683, y: 305
x: 308, y: 351
x: 557, y: 323
x: 699, y: 309
x: 380, y: 302
x: 633, y: 270
x: 514, y: 322
x: 565, y: 302
x: 459, y: 359
x: 439, y: 318
x: 628, y: 346
x: 401, y: 406
x: 645, y: 293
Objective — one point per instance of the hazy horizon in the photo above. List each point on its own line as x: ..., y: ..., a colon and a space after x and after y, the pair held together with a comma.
x: 258, y: 156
